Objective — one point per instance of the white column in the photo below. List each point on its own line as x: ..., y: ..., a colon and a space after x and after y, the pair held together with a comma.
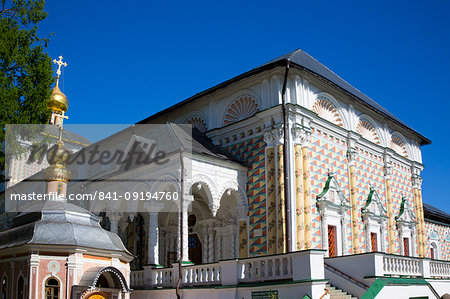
x: 210, y: 243
x: 205, y: 244
x: 233, y: 242
x: 153, y: 239
x: 114, y: 218
x: 344, y: 221
x: 383, y: 234
x: 188, y: 199
x: 324, y: 233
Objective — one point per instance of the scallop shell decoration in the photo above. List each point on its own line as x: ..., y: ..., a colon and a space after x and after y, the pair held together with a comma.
x: 198, y: 123
x: 398, y: 146
x: 242, y: 108
x: 325, y: 109
x: 367, y: 130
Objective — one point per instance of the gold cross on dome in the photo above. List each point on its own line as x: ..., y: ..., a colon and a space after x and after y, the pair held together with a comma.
x: 59, y: 63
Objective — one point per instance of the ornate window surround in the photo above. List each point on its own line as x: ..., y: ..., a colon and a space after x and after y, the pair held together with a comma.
x: 374, y: 216
x: 407, y: 226
x: 333, y: 208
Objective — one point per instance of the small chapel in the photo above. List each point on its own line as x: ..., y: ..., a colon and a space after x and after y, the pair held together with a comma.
x: 297, y: 185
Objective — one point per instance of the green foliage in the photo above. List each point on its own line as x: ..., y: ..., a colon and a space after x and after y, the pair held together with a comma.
x: 25, y: 69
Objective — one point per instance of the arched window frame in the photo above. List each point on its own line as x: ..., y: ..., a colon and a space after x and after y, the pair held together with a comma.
x: 58, y: 279
x: 434, y: 243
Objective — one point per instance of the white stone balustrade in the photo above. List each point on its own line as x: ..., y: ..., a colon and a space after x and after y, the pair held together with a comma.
x: 205, y: 274
x: 163, y: 277
x: 266, y: 268
x: 137, y: 278
x: 300, y: 265
x: 439, y: 269
x: 401, y: 265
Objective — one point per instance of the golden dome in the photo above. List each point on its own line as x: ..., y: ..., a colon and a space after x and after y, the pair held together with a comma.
x: 57, y: 156
x: 58, y: 101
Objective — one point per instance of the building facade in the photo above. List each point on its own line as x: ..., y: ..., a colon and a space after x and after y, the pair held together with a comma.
x: 297, y: 179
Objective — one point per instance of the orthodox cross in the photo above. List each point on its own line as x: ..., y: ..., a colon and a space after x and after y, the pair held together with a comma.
x: 60, y: 63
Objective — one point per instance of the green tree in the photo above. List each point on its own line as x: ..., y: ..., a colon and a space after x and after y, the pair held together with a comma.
x: 25, y: 69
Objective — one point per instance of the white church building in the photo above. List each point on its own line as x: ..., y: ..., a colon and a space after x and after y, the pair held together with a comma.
x: 299, y: 186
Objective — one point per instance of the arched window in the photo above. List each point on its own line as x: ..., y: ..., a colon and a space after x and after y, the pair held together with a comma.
x: 4, y: 288
x: 20, y: 288
x: 59, y: 188
x: 434, y: 250
x: 51, y: 289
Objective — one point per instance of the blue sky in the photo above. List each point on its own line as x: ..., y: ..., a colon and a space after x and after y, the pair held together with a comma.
x: 130, y: 59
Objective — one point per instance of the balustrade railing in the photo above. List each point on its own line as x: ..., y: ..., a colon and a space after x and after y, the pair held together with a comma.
x: 207, y: 274
x: 439, y: 269
x: 163, y: 277
x: 400, y: 265
x: 137, y: 278
x: 268, y: 268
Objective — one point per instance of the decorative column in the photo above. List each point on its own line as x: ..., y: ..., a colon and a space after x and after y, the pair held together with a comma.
x: 219, y: 233
x: 281, y: 205
x: 383, y: 234
x: 233, y: 241
x: 114, y: 218
x: 205, y: 244
x: 390, y: 207
x: 210, y: 242
x: 299, y: 138
x: 324, y: 228
x: 344, y: 221
x: 351, y: 157
x: 422, y: 224
x: 307, y: 190
x: 271, y: 138
x: 417, y: 191
x: 242, y: 212
x: 153, y: 234
x: 33, y: 279
x: 187, y: 200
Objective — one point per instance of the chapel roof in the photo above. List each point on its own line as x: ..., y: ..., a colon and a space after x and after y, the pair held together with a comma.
x: 59, y: 223
x: 304, y: 61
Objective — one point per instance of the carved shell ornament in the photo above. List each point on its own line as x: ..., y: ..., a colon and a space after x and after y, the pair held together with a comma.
x: 398, y: 146
x: 242, y: 108
x: 326, y: 110
x: 367, y: 130
x: 198, y: 123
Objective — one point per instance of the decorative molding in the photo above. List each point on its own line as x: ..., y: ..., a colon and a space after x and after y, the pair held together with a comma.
x: 301, y: 135
x: 398, y: 145
x: 241, y: 108
x: 332, y: 192
x: 326, y: 109
x: 198, y: 122
x: 367, y: 130
x: 406, y: 214
x: 274, y: 137
x: 373, y: 205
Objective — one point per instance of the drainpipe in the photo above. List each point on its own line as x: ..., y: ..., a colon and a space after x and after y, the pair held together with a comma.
x: 285, y: 159
x: 180, y: 266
